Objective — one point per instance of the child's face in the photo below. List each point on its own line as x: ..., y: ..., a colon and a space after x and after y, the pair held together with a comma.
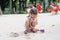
x: 33, y: 16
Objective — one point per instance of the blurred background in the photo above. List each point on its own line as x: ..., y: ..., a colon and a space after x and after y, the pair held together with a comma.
x: 18, y: 6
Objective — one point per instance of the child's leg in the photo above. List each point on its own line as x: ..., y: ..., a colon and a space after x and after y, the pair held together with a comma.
x: 33, y: 26
x: 27, y: 25
x: 30, y: 25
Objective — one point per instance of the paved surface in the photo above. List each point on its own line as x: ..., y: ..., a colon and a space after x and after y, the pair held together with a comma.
x: 15, y: 23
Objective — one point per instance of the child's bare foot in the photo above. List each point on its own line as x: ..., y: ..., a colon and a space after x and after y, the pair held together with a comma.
x: 27, y: 31
x: 33, y: 30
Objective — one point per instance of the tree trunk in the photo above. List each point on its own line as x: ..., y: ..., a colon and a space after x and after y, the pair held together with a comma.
x: 11, y: 7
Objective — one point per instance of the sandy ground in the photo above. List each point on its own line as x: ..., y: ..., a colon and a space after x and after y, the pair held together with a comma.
x: 15, y: 23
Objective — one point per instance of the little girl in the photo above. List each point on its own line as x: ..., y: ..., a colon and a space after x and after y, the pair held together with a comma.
x: 31, y: 21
